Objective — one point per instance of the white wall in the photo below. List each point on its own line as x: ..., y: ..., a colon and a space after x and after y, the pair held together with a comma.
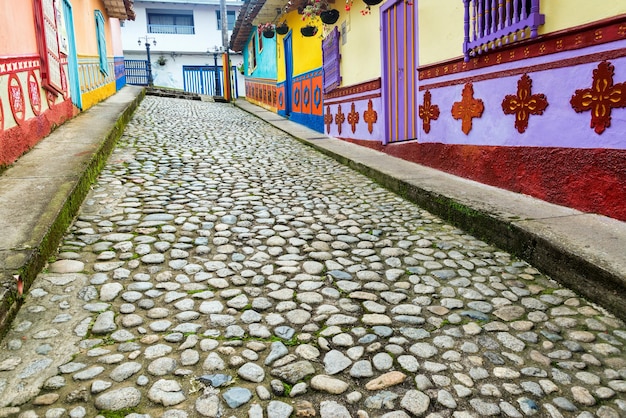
x: 178, y: 50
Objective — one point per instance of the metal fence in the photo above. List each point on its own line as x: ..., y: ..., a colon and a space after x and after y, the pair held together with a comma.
x: 201, y: 79
x: 136, y: 72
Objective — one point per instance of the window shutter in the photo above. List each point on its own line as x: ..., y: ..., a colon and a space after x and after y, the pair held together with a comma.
x: 331, y: 57
x: 102, y: 45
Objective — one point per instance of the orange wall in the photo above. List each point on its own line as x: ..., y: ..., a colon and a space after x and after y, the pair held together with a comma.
x: 21, y: 41
x: 85, y: 27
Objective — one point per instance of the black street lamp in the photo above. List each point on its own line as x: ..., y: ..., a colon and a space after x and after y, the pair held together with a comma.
x: 218, y: 88
x: 147, y: 39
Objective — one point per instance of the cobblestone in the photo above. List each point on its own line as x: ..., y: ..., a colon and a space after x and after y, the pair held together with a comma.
x: 220, y: 268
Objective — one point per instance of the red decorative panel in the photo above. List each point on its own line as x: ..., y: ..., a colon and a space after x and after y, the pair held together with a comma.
x: 16, y: 99
x: 34, y: 94
x: 281, y: 97
x: 356, y: 89
x: 428, y: 111
x: 1, y: 117
x: 524, y: 103
x: 468, y: 108
x: 297, y: 97
x: 317, y: 96
x: 306, y: 96
x: 601, y: 97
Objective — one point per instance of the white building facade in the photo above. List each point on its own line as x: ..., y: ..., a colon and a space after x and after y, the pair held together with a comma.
x: 188, y: 36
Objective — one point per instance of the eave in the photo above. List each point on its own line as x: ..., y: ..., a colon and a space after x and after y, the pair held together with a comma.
x: 120, y: 9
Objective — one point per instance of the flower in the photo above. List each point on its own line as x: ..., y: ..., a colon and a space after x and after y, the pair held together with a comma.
x: 314, y: 8
x: 265, y: 26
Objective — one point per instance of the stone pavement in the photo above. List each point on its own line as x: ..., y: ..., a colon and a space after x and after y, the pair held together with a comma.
x: 220, y: 268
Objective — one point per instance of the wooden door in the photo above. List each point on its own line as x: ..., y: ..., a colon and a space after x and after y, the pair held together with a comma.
x: 399, y: 72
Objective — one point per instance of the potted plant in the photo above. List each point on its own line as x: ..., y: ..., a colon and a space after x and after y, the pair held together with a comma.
x: 267, y: 29
x: 314, y: 9
x: 372, y: 2
x: 161, y: 60
x: 308, y: 30
x: 282, y: 28
x: 329, y: 16
x: 240, y: 68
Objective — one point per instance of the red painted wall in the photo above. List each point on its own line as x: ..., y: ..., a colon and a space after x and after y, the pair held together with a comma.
x: 590, y: 180
x: 17, y: 140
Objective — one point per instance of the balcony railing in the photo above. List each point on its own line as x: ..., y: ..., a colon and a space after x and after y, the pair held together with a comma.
x: 171, y: 29
x: 490, y: 24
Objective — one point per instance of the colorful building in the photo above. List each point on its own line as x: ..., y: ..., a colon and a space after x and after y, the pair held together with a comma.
x: 57, y: 57
x: 185, y: 41
x: 525, y: 95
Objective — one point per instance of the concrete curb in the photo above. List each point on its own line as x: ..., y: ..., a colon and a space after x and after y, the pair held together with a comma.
x: 43, y: 190
x: 582, y: 251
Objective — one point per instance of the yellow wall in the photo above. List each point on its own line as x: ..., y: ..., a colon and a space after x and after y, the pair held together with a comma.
x: 307, y: 52
x: 563, y: 14
x: 441, y: 28
x: 360, y: 56
x: 17, y: 31
x: 96, y: 96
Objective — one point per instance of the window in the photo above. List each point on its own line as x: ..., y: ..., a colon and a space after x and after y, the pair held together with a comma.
x: 331, y: 57
x: 102, y: 43
x: 47, y: 30
x: 252, y: 54
x: 180, y: 23
x: 230, y: 15
x: 493, y: 24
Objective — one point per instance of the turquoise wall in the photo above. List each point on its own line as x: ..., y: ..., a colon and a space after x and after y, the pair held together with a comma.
x: 266, y: 58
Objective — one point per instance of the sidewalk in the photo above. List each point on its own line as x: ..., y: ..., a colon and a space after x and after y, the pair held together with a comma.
x: 42, y: 191
x: 583, y: 251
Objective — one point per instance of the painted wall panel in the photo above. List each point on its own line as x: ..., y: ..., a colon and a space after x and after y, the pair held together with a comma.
x: 17, y: 42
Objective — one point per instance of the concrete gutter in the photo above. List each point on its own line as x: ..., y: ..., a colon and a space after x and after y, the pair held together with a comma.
x: 585, y: 252
x: 42, y: 191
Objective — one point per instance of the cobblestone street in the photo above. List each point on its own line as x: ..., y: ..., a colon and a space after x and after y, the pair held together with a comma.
x: 220, y: 268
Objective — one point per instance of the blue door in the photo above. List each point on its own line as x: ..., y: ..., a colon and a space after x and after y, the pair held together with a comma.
x: 288, y: 72
x: 72, y: 61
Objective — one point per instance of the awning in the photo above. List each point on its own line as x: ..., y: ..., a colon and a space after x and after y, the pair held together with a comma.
x: 120, y: 9
x: 254, y: 12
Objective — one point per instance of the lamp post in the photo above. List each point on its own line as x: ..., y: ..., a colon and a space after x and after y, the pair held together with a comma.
x: 218, y: 89
x: 147, y: 40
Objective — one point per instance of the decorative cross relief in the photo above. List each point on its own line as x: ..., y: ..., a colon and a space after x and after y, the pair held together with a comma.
x: 328, y: 119
x: 601, y: 98
x: 353, y: 117
x: 524, y: 103
x: 370, y: 116
x: 428, y: 111
x: 339, y: 119
x: 468, y: 108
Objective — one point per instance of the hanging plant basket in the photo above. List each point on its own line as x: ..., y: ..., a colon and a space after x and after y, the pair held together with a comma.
x: 268, y: 33
x: 308, y: 31
x: 282, y: 29
x: 372, y: 2
x: 330, y: 16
